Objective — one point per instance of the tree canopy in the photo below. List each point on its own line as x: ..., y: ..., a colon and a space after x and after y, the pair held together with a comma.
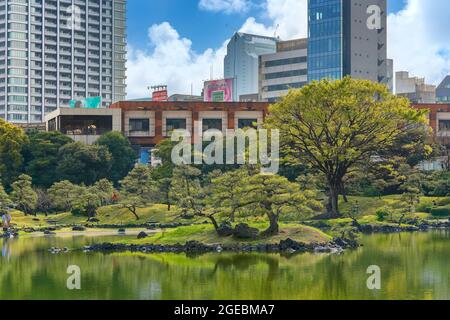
x: 81, y: 163
x: 335, y: 126
x: 123, y: 155
x: 12, y: 139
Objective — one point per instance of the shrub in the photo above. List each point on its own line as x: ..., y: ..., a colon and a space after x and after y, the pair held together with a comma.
x: 441, y: 211
x: 382, y: 214
x: 444, y: 202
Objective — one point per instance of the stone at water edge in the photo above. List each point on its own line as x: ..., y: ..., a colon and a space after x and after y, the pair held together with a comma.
x: 142, y: 235
x: 78, y: 228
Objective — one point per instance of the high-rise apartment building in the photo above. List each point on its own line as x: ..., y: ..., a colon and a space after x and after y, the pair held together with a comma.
x: 347, y: 38
x: 54, y: 51
x: 242, y: 61
x: 286, y: 69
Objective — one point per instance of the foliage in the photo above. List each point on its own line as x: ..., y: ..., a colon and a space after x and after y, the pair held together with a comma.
x: 275, y: 195
x: 5, y: 201
x: 382, y: 214
x: 441, y: 211
x: 23, y: 195
x: 336, y: 126
x: 226, y: 192
x: 123, y: 156
x: 187, y: 190
x: 87, y: 202
x: 81, y: 163
x: 137, y: 189
x: 44, y: 203
x: 64, y: 194
x: 12, y: 139
x: 104, y: 189
x: 41, y: 156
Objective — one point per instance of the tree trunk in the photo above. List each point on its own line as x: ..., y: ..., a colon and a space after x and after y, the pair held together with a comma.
x: 232, y: 215
x: 273, y: 228
x: 333, y: 200
x: 214, y: 222
x: 344, y: 194
x: 133, y: 211
x: 169, y: 205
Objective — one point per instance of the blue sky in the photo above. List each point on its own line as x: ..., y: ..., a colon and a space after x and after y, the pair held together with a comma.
x: 205, y: 29
x: 176, y: 42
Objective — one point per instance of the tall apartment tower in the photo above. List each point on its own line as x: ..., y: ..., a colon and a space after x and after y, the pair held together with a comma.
x: 347, y: 38
x: 242, y: 61
x: 54, y: 51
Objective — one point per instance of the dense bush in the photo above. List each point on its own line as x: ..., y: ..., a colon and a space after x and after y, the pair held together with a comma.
x: 441, y: 211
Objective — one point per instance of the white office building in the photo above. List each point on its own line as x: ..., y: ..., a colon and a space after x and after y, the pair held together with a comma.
x: 54, y: 51
x: 242, y: 59
x: 286, y: 69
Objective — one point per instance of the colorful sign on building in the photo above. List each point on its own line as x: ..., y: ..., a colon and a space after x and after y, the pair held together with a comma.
x: 88, y: 103
x: 219, y: 90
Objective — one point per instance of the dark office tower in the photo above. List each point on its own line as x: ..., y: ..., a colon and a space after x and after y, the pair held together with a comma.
x: 347, y: 38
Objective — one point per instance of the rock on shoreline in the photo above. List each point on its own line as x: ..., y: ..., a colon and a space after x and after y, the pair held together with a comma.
x: 290, y: 246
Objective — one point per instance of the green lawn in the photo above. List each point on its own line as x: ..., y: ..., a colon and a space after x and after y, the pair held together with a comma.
x: 106, y: 215
x: 207, y: 235
x: 115, y: 215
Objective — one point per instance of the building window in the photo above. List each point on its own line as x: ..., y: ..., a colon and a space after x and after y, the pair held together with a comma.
x: 444, y: 125
x: 139, y: 125
x: 175, y: 124
x: 247, y: 123
x: 212, y: 124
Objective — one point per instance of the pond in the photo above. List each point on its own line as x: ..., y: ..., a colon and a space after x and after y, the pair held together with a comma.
x: 413, y: 266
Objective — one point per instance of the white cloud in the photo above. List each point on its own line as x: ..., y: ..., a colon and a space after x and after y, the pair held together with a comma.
x: 225, y: 6
x: 419, y: 40
x: 171, y: 61
x: 287, y: 18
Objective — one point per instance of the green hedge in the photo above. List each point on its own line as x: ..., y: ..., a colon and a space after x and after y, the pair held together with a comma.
x: 441, y: 211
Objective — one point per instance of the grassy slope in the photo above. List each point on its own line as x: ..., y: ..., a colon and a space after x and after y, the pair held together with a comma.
x: 159, y: 214
x: 107, y: 215
x: 206, y: 234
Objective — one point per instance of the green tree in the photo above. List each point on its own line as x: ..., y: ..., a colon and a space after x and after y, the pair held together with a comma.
x: 189, y: 193
x: 81, y: 163
x: 23, y: 194
x: 44, y: 203
x: 87, y: 202
x: 275, y: 195
x: 123, y: 156
x: 136, y: 189
x: 5, y: 201
x: 12, y: 140
x: 336, y: 126
x: 63, y: 195
x: 226, y: 192
x: 41, y: 156
x: 104, y: 189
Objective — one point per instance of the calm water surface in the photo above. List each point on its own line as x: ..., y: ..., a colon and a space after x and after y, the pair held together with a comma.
x: 413, y: 265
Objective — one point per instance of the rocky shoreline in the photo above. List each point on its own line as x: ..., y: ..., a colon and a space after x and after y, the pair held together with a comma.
x: 374, y: 228
x: 289, y: 246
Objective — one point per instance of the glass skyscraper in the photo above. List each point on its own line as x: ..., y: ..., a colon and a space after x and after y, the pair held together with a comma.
x: 344, y: 41
x: 53, y: 51
x: 326, y: 36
